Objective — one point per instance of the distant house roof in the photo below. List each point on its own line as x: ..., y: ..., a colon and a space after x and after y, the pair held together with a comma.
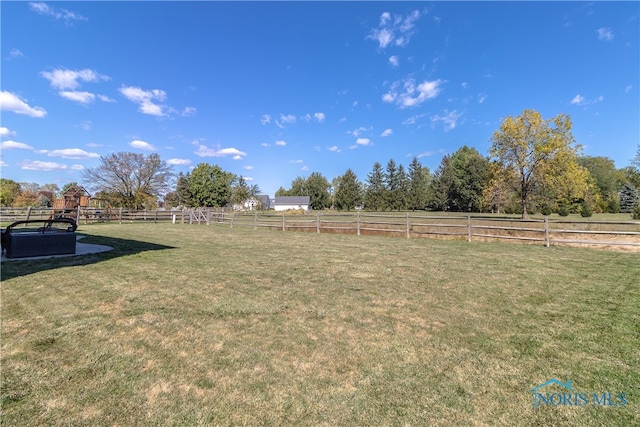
x: 265, y: 200
x: 292, y: 200
x: 75, y: 191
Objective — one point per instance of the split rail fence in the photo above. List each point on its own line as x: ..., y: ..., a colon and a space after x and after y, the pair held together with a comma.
x: 616, y: 234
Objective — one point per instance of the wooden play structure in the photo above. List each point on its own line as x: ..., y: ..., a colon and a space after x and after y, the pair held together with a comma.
x: 77, y: 202
x: 68, y: 206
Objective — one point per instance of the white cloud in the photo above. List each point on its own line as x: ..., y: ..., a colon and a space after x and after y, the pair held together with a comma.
x: 582, y: 101
x: 383, y: 36
x: 105, y: 98
x: 481, y: 98
x: 3, y: 163
x: 204, y: 151
x: 578, y: 99
x: 319, y: 117
x: 413, y: 119
x: 605, y: 34
x: 62, y: 79
x: 179, y: 162
x: 44, y: 9
x: 5, y: 132
x: 397, y: 31
x: 145, y: 99
x: 93, y: 145
x: 77, y: 167
x: 289, y: 118
x: 449, y: 119
x: 295, y: 161
x: 628, y: 89
x: 412, y: 94
x: 13, y: 103
x: 359, y: 131
x: 248, y: 167
x: 393, y: 60
x: 281, y: 143
x: 334, y: 148
x: 304, y: 168
x: 142, y: 145
x: 188, y: 112
x: 265, y: 144
x: 363, y: 141
x: 81, y: 97
x: 387, y: 132
x: 15, y: 53
x: 70, y: 153
x: 464, y: 85
x: 426, y: 154
x: 14, y: 145
x: 265, y: 119
x: 36, y: 165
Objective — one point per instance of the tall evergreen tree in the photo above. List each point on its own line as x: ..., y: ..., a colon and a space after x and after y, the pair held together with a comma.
x: 419, y: 178
x: 629, y: 197
x: 393, y: 185
x: 375, y: 192
x: 348, y: 192
x: 182, y: 189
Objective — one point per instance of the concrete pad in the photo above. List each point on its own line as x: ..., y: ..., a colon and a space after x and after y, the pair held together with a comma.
x: 81, y: 249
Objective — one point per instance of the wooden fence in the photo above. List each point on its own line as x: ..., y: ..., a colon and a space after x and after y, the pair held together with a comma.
x: 548, y: 232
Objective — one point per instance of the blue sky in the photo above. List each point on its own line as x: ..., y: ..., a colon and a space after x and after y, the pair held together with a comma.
x: 276, y: 90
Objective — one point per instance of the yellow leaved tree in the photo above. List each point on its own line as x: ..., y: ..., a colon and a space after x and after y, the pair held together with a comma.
x: 537, y: 159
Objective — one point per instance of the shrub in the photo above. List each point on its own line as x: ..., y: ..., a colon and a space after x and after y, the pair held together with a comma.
x: 586, y: 211
x: 563, y: 210
x: 635, y: 213
x: 546, y: 209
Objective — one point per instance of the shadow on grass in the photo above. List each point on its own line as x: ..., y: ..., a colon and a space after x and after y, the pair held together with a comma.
x: 121, y: 247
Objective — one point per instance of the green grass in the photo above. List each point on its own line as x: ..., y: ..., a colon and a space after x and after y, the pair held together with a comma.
x: 206, y: 325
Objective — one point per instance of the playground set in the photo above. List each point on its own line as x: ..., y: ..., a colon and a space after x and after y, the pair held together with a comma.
x: 55, y: 235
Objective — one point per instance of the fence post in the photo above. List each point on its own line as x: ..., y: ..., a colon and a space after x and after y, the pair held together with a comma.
x: 469, y: 227
x: 120, y: 215
x: 546, y: 231
x: 408, y: 226
x: 233, y: 216
x: 155, y: 216
x: 358, y: 224
x: 283, y: 228
x: 28, y: 212
x: 182, y: 216
x: 318, y: 223
x: 255, y: 220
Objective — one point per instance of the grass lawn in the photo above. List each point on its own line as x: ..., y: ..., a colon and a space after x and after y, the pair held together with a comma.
x: 206, y: 325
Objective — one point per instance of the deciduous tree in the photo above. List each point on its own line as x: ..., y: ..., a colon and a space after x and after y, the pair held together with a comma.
x: 9, y: 190
x: 210, y: 186
x: 535, y: 153
x: 132, y: 180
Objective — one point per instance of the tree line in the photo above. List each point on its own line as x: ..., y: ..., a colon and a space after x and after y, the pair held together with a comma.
x: 534, y: 165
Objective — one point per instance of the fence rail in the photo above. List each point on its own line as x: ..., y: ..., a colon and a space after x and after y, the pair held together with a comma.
x: 410, y: 225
